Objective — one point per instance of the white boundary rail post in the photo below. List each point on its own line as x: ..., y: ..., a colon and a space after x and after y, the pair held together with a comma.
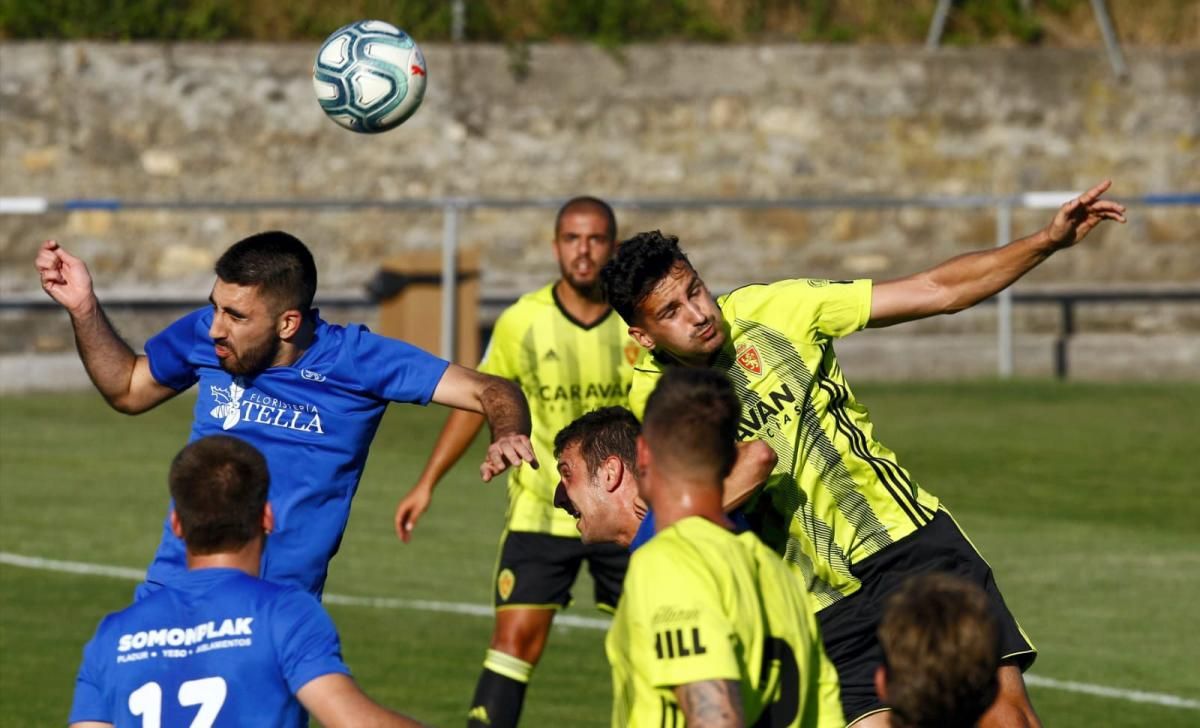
x: 449, y: 277
x: 1004, y: 324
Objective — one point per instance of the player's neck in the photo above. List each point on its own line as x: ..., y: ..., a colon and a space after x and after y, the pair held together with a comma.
x: 247, y: 559
x: 585, y: 306
x: 682, y: 498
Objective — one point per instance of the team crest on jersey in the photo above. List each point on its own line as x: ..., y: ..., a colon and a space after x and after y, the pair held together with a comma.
x: 748, y: 359
x: 505, y: 583
x: 631, y: 352
x: 229, y: 404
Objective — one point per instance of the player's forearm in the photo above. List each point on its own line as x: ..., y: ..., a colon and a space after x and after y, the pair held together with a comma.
x: 109, y: 361
x: 966, y: 280
x: 456, y: 436
x: 505, y: 408
x: 337, y: 702
x: 754, y: 464
x: 711, y: 704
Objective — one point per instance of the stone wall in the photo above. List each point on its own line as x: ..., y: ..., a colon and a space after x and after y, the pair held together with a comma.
x: 238, y: 122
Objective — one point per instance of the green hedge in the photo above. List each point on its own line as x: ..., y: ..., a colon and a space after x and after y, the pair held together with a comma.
x: 608, y: 22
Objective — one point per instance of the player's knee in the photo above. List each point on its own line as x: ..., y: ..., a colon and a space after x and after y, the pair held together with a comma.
x: 523, y: 639
x: 523, y: 648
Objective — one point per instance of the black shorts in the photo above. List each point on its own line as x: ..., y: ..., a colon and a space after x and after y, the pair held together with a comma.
x: 537, y: 570
x: 848, y: 626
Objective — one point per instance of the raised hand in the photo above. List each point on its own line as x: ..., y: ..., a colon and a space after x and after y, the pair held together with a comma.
x: 65, y: 278
x: 507, y: 451
x: 1076, y: 218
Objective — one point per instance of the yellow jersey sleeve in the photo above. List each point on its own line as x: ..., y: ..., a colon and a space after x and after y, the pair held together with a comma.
x: 808, y: 309
x: 502, y: 357
x: 678, y: 631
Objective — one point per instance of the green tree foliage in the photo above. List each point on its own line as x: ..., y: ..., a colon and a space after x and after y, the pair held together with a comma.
x: 607, y: 22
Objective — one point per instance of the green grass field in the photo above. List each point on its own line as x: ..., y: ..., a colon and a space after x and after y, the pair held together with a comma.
x: 1081, y: 497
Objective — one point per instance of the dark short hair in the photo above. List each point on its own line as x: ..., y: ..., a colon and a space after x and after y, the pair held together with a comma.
x: 219, y: 484
x: 640, y: 263
x: 601, y: 434
x: 691, y: 416
x: 278, y: 263
x: 941, y: 647
x: 584, y: 202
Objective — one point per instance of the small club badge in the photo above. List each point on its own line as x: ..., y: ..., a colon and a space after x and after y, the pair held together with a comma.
x: 505, y: 582
x: 631, y: 352
x: 747, y: 357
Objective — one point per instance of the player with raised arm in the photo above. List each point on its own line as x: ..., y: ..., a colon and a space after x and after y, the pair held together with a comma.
x: 856, y: 521
x: 569, y: 354
x: 307, y: 393
x: 218, y: 646
x: 711, y: 629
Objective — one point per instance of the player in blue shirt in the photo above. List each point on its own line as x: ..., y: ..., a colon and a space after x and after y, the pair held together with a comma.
x: 219, y: 646
x: 307, y: 393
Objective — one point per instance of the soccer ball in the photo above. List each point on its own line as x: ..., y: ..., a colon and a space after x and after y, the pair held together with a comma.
x: 369, y: 76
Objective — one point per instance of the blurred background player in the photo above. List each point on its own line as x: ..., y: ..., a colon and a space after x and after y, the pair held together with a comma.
x: 941, y: 647
x: 307, y: 393
x: 569, y: 355
x: 218, y: 645
x: 711, y: 630
x: 857, y: 522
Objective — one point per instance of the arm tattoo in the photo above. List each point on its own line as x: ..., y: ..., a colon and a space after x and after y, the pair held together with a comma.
x: 505, y: 407
x: 711, y: 704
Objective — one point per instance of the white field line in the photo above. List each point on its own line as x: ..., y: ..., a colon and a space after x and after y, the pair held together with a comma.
x: 1135, y: 696
x: 423, y: 605
x: 566, y: 620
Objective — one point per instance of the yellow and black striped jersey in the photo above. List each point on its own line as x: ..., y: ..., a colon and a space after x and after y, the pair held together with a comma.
x: 702, y: 604
x: 566, y: 369
x: 842, y: 491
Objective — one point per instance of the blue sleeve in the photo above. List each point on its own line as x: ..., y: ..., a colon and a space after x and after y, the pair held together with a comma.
x: 89, y: 702
x: 169, y: 351
x: 395, y: 370
x: 306, y: 641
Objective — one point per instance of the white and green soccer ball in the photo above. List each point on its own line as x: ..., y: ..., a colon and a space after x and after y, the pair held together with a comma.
x: 369, y: 76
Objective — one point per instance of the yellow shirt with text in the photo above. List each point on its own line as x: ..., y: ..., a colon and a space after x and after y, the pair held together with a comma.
x: 702, y: 604
x: 565, y: 369
x: 840, y: 492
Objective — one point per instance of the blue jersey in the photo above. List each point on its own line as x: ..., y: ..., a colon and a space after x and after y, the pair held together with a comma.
x: 313, y: 421
x: 216, y: 647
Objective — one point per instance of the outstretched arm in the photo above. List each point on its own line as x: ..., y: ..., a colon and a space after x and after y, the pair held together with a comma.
x: 711, y: 704
x: 965, y: 280
x: 456, y: 436
x: 122, y: 377
x: 338, y: 702
x: 502, y: 404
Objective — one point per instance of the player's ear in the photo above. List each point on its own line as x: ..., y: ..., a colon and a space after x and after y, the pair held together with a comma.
x: 881, y: 682
x: 639, y: 335
x: 613, y: 470
x: 176, y: 526
x: 268, y: 519
x: 289, y: 323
